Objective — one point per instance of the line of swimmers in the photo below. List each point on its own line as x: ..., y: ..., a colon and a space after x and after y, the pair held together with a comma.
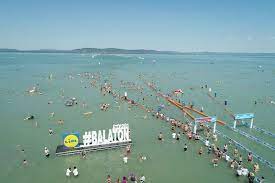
x: 132, y: 177
x: 240, y: 170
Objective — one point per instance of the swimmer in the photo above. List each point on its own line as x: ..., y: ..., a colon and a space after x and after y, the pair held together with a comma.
x: 227, y: 158
x: 189, y: 135
x: 225, y: 148
x: 50, y: 131
x: 256, y: 167
x: 52, y: 114
x: 185, y: 148
x: 60, y: 122
x: 75, y: 172
x: 240, y: 159
x: 47, y: 152
x: 109, y: 180
x: 250, y: 157
x: 209, y: 150
x: 124, y: 180
x: 215, y: 162
x: 200, y: 151
x: 236, y: 152
x: 215, y: 138
x: 262, y: 180
x: 251, y: 177
x: 232, y: 164
x: 174, y: 135
x: 29, y: 117
x: 160, y: 136
x: 132, y: 177
x: 128, y: 149
x: 197, y: 137
x: 68, y: 172
x: 117, y: 180
x: 25, y: 163
x: 125, y: 159
x: 83, y: 154
x: 142, y: 179
x: 206, y: 143
x: 178, y: 136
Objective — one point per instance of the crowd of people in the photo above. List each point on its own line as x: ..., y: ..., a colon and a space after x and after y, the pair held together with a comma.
x: 236, y: 162
x: 179, y: 129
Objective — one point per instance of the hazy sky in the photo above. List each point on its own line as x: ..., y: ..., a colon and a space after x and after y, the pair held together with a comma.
x: 194, y: 25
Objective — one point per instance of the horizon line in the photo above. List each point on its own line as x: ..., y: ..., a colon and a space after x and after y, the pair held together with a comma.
x: 125, y: 49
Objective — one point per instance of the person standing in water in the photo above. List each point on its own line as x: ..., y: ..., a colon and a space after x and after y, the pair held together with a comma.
x: 160, y: 137
x: 178, y: 136
x: 206, y: 143
x: 185, y: 148
x: 215, y: 162
x: 174, y: 135
x: 117, y: 180
x: 25, y: 163
x: 200, y: 151
x: 109, y: 180
x: 50, y: 131
x: 250, y: 157
x: 47, y: 152
x: 75, y: 172
x: 236, y: 152
x: 124, y: 180
x: 68, y: 172
x: 142, y: 179
x: 240, y: 159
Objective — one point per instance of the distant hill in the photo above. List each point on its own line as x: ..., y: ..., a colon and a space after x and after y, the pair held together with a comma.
x: 94, y: 51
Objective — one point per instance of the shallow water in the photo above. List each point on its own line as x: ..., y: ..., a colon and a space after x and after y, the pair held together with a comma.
x: 235, y: 77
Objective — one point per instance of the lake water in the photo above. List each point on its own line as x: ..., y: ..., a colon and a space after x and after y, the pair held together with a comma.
x: 240, y: 79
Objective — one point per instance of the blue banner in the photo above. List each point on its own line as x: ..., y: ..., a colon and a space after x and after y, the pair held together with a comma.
x: 244, y: 116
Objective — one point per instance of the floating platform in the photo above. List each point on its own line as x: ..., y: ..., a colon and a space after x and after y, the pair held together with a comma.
x: 62, y: 150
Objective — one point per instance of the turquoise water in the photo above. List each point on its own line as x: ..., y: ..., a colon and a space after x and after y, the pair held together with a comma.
x: 235, y: 77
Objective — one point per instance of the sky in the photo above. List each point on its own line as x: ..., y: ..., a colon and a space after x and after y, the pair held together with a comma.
x: 178, y: 25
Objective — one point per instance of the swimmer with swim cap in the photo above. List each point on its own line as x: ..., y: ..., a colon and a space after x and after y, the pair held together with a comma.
x: 25, y: 162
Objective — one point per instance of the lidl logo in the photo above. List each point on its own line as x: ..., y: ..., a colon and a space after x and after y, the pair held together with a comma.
x: 71, y: 140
